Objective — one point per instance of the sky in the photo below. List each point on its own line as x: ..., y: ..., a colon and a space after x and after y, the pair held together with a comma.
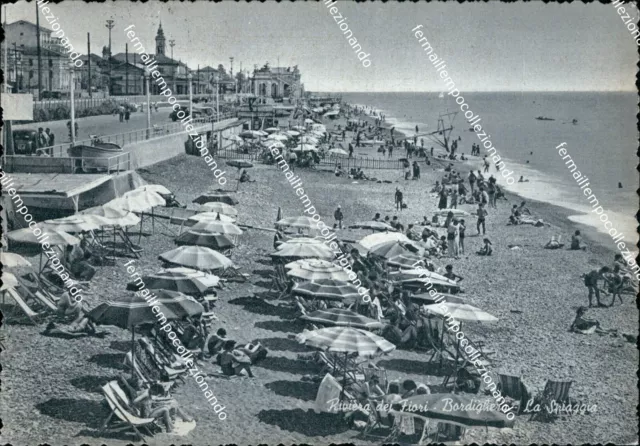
x: 487, y: 46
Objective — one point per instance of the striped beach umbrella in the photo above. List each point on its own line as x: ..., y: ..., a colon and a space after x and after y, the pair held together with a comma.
x: 327, y: 289
x: 8, y: 281
x: 461, y: 312
x: 129, y: 311
x: 139, y: 200
x: 197, y: 257
x: 342, y: 318
x: 219, y: 226
x: 220, y: 208
x: 208, y: 279
x: 180, y: 304
x: 319, y: 273
x: 171, y: 281
x: 54, y: 237
x: 209, y: 216
x: 390, y: 249
x: 213, y: 240
x: 420, y: 273
x: 375, y: 239
x: 405, y: 260
x: 373, y: 225
x: 346, y: 340
x: 305, y: 262
x: 312, y: 250
x: 108, y: 216
x: 217, y: 197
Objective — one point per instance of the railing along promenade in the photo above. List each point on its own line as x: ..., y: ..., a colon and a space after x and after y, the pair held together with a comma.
x: 134, y: 136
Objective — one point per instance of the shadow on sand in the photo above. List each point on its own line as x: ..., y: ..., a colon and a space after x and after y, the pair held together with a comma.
x: 90, y: 383
x: 282, y: 364
x: 259, y: 306
x: 307, y: 423
x: 91, y: 413
x: 284, y: 345
x: 110, y: 360
x: 280, y: 326
x: 415, y: 367
x: 301, y: 390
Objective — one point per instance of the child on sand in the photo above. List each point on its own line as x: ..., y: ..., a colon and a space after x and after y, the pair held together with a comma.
x: 482, y: 214
x: 486, y: 250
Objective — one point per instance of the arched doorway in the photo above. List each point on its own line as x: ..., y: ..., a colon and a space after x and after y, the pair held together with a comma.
x: 262, y: 89
x: 274, y: 90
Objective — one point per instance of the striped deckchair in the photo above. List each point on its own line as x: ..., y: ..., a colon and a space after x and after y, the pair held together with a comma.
x: 280, y: 282
x: 21, y: 304
x: 513, y: 387
x: 121, y: 408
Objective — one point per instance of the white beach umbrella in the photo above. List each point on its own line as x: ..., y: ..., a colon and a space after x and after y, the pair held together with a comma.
x: 374, y: 239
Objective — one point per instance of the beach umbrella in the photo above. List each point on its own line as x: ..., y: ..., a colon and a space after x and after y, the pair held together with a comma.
x: 338, y: 152
x: 292, y: 133
x: 216, y: 225
x: 420, y: 273
x: 304, y: 251
x: 305, y: 148
x: 209, y: 217
x: 300, y: 128
x: 216, y: 196
x: 197, y: 257
x: 220, y: 208
x: 250, y: 134
x: 240, y: 164
x: 309, y: 139
x: 342, y: 318
x: 53, y: 237
x: 235, y: 138
x: 405, y: 260
x: 309, y: 121
x: 428, y: 299
x: 313, y: 270
x: 128, y: 311
x: 272, y: 130
x: 107, y: 216
x: 303, y: 241
x: 332, y: 113
x: 456, y: 213
x: 278, y: 137
x: 72, y: 224
x: 457, y: 408
x: 296, y: 222
x: 461, y: 312
x: 208, y: 239
x: 8, y: 281
x: 373, y: 225
x: 207, y: 279
x: 393, y: 248
x: 137, y: 201
x: 305, y: 262
x: 171, y: 281
x: 276, y: 144
x: 179, y: 303
x: 346, y: 340
x: 374, y: 239
x: 157, y: 188
x: 12, y: 260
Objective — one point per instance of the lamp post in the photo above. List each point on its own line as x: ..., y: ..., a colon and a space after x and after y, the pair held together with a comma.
x: 109, y: 25
x: 217, y: 97
x: 72, y: 94
x: 146, y: 83
x: 189, y: 77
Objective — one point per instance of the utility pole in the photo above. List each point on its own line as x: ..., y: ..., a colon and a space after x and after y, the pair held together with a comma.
x: 126, y: 68
x: 135, y: 77
x: 39, y: 55
x: 198, y: 84
x: 89, y: 63
x: 110, y: 25
x: 172, y: 43
x: 15, y: 67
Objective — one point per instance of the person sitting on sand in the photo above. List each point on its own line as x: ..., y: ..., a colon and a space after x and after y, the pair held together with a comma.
x: 514, y: 218
x: 233, y: 361
x: 615, y: 283
x: 338, y: 171
x: 554, y: 243
x: 451, y: 275
x: 245, y: 178
x: 215, y: 343
x: 376, y: 217
x: 591, y: 282
x: 524, y: 210
x: 437, y: 188
x: 486, y: 250
x: 582, y: 323
x: 411, y: 235
x: 68, y: 306
x: 143, y: 402
x: 576, y: 242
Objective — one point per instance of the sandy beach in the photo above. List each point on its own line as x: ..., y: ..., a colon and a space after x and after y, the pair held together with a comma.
x: 54, y: 389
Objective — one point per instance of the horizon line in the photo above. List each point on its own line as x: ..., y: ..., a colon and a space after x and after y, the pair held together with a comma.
x: 482, y: 91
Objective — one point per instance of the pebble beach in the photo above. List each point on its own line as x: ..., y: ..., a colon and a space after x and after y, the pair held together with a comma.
x: 55, y: 388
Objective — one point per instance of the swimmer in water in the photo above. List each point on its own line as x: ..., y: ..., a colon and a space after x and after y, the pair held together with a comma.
x: 522, y: 180
x: 619, y: 185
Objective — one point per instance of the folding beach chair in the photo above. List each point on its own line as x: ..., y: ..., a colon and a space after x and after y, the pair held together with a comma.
x: 280, y: 283
x: 513, y: 387
x: 449, y: 432
x: 233, y: 273
x: 12, y: 311
x: 376, y: 422
x: 556, y: 393
x: 121, y: 408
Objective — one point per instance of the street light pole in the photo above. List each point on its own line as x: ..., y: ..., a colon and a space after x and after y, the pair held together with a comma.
x: 146, y: 81
x: 72, y: 91
x: 109, y: 25
x: 172, y: 43
x: 189, y: 77
x: 217, y: 98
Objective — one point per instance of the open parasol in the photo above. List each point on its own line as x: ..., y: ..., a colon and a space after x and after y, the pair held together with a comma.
x: 197, y: 257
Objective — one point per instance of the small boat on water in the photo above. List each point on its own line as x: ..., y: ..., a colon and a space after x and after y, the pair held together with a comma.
x: 441, y: 95
x: 543, y: 118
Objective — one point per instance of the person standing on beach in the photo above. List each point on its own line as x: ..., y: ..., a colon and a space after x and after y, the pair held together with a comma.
x: 350, y: 150
x: 453, y: 237
x: 338, y: 217
x: 482, y: 214
x: 591, y: 282
x: 461, y: 229
x: 358, y: 139
x: 454, y: 197
x: 442, y: 202
x: 398, y: 198
x: 491, y: 190
x: 486, y: 164
x: 390, y: 150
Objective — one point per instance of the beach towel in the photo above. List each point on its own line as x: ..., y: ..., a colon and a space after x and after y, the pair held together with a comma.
x: 328, y: 393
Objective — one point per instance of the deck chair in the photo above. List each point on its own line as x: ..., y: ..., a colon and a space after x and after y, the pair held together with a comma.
x: 35, y: 298
x: 450, y: 432
x: 376, y: 421
x: 233, y: 274
x: 556, y: 391
x: 21, y: 305
x: 512, y: 387
x: 121, y: 408
x: 280, y: 283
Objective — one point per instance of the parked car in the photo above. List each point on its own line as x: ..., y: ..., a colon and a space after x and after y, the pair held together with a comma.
x: 25, y: 142
x: 174, y: 113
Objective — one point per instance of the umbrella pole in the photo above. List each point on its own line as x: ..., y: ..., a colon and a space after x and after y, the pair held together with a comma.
x: 133, y: 352
x: 153, y: 222
x: 344, y: 378
x: 441, y: 346
x: 140, y: 234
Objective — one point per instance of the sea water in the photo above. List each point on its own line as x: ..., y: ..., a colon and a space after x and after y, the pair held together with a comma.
x: 603, y: 143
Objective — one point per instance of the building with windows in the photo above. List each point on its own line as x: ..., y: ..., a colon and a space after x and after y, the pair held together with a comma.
x: 277, y: 82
